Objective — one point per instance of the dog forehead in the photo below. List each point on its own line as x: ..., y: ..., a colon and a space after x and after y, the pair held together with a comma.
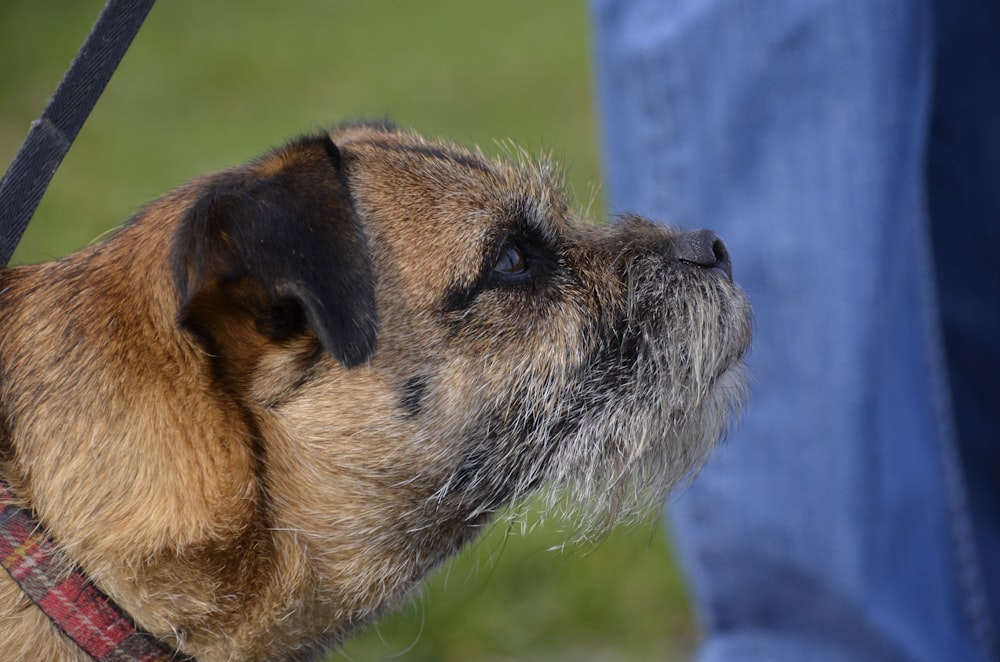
x: 411, y: 163
x: 430, y: 180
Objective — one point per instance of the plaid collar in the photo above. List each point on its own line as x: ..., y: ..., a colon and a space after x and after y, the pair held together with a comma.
x: 77, y: 607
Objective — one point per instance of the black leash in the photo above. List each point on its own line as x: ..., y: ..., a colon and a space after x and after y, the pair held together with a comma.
x: 51, y: 135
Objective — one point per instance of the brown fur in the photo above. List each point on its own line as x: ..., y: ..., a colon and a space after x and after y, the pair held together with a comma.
x: 281, y: 394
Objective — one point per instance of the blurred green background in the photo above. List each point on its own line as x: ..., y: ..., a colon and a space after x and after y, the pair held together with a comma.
x: 210, y: 84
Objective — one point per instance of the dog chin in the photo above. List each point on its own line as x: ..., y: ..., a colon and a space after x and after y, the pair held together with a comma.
x: 725, y: 400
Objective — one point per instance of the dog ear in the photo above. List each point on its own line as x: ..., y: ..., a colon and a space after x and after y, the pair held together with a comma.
x: 286, y: 223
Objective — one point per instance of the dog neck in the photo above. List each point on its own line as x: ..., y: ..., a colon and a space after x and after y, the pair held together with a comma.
x: 104, y: 475
x: 74, y: 605
x: 173, y: 522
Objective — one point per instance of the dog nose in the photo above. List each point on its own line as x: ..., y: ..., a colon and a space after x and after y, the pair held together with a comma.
x: 702, y: 248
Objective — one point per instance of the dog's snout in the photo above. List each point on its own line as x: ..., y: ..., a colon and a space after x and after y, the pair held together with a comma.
x: 702, y: 248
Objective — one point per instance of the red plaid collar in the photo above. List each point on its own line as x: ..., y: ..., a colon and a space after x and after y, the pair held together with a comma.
x: 77, y: 607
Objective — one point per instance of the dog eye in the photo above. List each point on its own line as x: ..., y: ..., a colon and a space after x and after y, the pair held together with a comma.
x: 511, y: 262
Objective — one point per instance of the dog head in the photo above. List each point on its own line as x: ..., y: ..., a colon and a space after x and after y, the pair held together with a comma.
x: 435, y: 335
x: 310, y: 379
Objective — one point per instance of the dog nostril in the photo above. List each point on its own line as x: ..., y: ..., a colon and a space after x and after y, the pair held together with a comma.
x: 722, y: 256
x: 702, y: 248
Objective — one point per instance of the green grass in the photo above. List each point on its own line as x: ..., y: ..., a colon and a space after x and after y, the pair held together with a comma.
x: 519, y: 596
x: 210, y: 84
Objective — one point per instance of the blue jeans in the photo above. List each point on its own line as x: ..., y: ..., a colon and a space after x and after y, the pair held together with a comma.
x: 849, y: 153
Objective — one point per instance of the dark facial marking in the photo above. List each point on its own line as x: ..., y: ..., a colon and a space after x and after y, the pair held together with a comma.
x: 535, y: 264
x: 412, y: 399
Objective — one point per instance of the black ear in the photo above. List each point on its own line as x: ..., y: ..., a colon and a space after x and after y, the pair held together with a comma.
x: 288, y: 224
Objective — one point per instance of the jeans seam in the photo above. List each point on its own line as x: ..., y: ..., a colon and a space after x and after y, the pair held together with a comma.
x: 966, y: 556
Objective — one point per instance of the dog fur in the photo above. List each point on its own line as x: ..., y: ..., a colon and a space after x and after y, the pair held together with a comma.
x: 283, y: 393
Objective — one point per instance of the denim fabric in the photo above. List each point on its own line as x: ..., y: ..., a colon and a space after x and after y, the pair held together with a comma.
x: 828, y: 142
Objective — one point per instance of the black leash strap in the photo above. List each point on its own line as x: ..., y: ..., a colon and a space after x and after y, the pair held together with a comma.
x: 51, y: 135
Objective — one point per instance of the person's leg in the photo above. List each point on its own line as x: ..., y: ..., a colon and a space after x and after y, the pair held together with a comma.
x: 829, y: 525
x: 964, y: 201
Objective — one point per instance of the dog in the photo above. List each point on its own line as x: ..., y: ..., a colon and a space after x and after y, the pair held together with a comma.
x: 280, y: 395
